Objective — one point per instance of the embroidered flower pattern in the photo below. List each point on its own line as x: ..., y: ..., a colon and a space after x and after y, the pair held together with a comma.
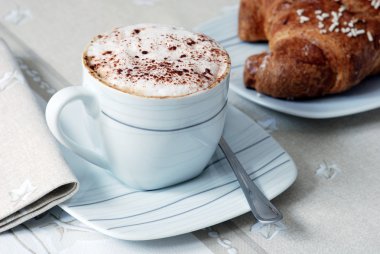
x: 18, y: 16
x: 268, y: 123
x: 23, y: 192
x: 327, y: 171
x: 268, y: 230
x: 225, y: 243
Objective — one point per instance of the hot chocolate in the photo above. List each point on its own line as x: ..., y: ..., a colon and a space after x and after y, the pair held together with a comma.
x: 157, y: 61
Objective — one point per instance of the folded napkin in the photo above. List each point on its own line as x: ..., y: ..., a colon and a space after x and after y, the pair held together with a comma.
x: 33, y: 175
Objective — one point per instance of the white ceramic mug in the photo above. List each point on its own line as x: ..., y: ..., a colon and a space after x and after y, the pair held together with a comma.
x: 148, y: 143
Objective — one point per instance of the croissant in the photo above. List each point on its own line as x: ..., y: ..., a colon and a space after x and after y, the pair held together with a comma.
x: 317, y: 47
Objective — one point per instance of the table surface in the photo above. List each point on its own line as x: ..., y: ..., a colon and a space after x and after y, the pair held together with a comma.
x: 321, y: 215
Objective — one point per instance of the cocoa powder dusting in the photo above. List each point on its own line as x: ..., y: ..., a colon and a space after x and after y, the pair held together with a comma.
x: 171, y: 60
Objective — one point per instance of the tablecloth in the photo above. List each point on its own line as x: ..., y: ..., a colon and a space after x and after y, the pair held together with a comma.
x: 333, y: 212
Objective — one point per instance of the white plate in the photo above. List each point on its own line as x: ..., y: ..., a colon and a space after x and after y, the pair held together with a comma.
x: 121, y: 212
x: 362, y: 98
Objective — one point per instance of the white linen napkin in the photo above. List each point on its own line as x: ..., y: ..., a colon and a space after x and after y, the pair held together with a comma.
x: 33, y: 175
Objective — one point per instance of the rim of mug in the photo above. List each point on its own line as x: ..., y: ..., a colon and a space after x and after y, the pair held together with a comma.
x: 216, y: 83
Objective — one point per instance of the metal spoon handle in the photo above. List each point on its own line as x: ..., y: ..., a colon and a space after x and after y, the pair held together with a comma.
x: 263, y: 210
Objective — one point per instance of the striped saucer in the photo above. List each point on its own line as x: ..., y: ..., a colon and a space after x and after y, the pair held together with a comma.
x: 114, y: 209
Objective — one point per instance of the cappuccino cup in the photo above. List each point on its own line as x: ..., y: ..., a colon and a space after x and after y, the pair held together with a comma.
x: 156, y: 96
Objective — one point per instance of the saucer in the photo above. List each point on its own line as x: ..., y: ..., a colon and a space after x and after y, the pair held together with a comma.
x: 119, y: 211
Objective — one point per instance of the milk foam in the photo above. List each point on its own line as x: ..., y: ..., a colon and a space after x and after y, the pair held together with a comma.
x: 157, y: 61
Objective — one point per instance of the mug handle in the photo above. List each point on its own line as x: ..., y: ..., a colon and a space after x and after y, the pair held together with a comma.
x: 53, y: 113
